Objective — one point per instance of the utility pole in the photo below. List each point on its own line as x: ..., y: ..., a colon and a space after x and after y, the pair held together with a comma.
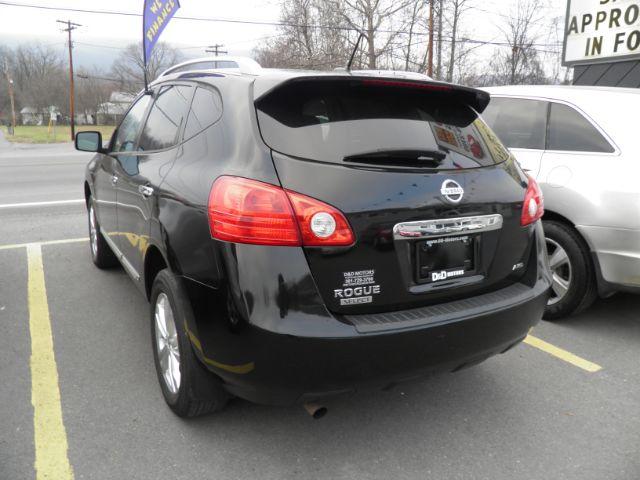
x: 430, y: 48
x: 72, y: 109
x: 11, y: 96
x: 215, y: 49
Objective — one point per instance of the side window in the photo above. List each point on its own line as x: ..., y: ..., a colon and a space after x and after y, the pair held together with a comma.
x: 193, y: 66
x: 226, y: 64
x: 130, y: 126
x: 165, y: 118
x: 206, y: 110
x: 519, y: 123
x: 569, y: 130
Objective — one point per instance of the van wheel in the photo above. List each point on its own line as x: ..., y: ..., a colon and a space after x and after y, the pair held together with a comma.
x: 573, y: 288
x: 101, y: 253
x: 187, y: 386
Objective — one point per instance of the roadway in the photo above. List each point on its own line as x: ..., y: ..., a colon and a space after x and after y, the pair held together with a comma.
x: 534, y: 413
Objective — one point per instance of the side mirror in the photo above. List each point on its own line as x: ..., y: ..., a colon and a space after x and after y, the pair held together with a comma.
x: 89, y: 142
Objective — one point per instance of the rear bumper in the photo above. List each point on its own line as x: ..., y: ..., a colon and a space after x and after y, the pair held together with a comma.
x: 282, y: 345
x: 617, y: 251
x: 289, y: 369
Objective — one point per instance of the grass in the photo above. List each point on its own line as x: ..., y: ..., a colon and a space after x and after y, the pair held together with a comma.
x: 44, y: 134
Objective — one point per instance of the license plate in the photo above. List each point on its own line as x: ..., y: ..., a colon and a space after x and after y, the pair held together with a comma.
x: 445, y: 258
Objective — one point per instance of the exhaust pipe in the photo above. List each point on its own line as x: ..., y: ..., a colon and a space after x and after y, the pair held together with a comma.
x: 315, y: 410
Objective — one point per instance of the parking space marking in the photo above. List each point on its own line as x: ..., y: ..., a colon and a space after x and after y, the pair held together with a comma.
x: 50, y: 437
x: 41, y: 204
x: 46, y: 242
x: 562, y: 354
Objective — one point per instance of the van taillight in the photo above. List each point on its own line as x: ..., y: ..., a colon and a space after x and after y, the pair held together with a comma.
x: 248, y: 211
x: 533, y: 206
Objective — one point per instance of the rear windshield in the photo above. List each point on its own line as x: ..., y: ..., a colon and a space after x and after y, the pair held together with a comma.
x: 333, y: 120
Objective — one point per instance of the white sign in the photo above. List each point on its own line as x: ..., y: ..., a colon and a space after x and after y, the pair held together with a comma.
x: 601, y: 30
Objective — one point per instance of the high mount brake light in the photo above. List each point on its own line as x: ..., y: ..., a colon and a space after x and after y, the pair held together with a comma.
x: 397, y: 83
x: 533, y: 205
x: 248, y: 211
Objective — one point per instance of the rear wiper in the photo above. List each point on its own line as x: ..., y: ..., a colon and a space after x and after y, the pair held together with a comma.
x: 401, y: 158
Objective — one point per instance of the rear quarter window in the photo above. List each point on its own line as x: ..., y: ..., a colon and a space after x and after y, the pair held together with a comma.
x: 206, y: 109
x: 569, y: 130
x: 166, y: 118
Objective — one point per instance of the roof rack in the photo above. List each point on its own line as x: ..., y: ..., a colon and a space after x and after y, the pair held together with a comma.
x: 244, y: 65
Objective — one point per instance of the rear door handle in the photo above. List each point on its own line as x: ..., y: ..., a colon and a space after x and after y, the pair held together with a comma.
x: 114, y: 179
x: 145, y: 190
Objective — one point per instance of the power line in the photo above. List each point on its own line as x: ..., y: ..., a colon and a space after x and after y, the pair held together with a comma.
x: 477, y: 43
x: 113, y: 47
x: 218, y: 19
x: 84, y: 76
x: 190, y: 47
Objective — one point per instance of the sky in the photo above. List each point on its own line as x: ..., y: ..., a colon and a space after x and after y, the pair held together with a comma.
x: 103, y: 35
x: 27, y: 24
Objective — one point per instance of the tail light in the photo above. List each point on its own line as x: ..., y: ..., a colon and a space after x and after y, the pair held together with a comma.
x: 533, y: 206
x: 320, y: 224
x: 248, y: 211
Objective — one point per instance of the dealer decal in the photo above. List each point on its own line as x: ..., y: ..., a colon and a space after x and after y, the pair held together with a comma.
x: 444, y: 274
x: 358, y: 287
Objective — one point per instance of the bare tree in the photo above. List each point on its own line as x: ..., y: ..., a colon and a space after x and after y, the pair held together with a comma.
x: 552, y: 54
x: 414, y: 14
x: 128, y: 68
x: 520, y: 62
x: 40, y: 78
x: 457, y: 8
x: 323, y: 33
x: 92, y: 90
x: 375, y: 19
x: 303, y: 41
x: 438, y: 22
x: 6, y: 60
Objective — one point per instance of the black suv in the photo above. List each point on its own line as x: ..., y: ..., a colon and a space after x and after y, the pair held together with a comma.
x: 305, y: 234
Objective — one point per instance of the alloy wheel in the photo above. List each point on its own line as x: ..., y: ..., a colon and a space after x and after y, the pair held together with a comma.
x: 561, y: 271
x: 167, y: 347
x: 93, y: 231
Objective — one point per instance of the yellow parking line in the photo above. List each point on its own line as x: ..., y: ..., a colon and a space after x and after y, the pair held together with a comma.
x: 46, y: 242
x: 50, y: 437
x: 562, y: 354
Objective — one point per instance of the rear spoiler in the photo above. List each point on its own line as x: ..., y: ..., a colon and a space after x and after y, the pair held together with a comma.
x: 476, y: 99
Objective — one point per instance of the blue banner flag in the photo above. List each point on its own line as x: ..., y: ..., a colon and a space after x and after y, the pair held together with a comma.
x: 157, y: 14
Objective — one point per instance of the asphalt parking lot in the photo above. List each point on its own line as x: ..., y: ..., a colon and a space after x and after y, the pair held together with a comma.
x: 566, y: 405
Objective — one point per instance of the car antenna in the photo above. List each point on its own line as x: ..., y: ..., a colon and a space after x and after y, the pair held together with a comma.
x: 353, y: 54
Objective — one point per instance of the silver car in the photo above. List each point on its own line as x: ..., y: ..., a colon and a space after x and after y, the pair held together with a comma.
x: 582, y: 145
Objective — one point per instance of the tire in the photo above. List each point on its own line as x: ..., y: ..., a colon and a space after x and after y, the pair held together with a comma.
x: 574, y: 285
x: 188, y: 387
x: 101, y: 253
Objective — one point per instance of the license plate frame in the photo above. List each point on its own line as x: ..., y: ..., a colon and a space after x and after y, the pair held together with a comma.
x: 446, y: 258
